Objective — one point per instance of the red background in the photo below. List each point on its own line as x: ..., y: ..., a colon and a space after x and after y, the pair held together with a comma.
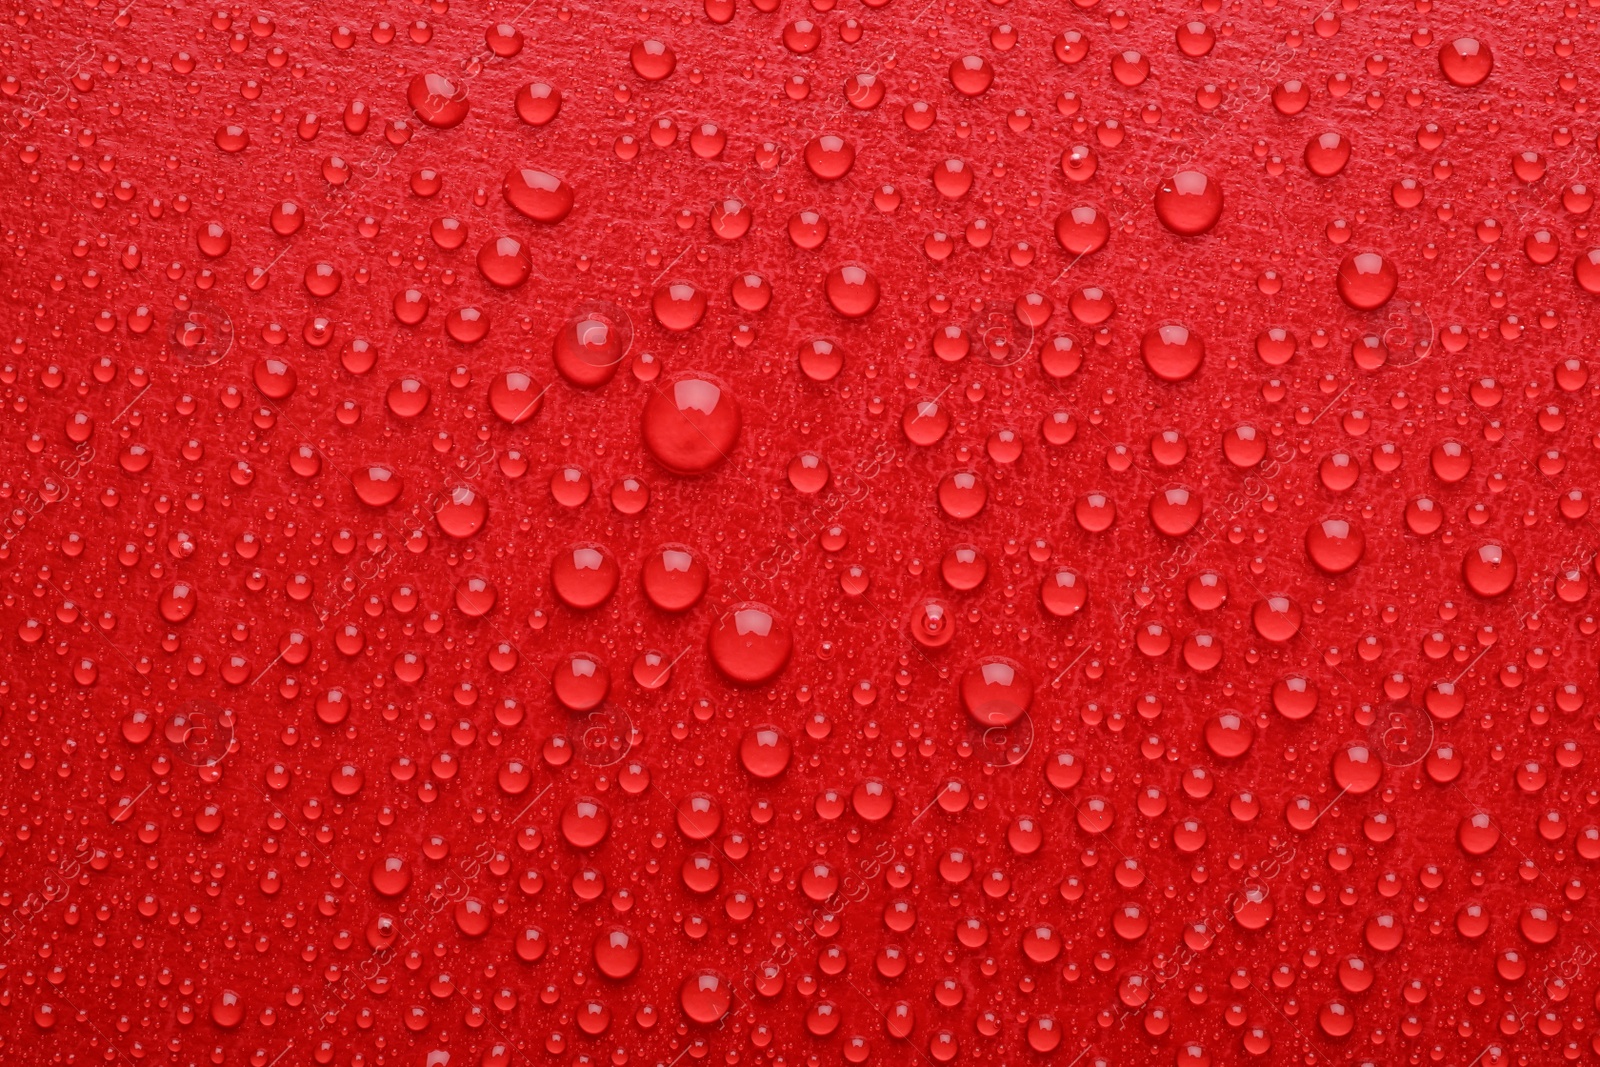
x: 189, y: 844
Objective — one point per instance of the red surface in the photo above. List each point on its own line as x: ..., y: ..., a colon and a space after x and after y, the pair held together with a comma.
x: 300, y: 764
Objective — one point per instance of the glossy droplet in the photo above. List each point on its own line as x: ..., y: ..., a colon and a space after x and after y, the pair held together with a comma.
x: 584, y: 575
x: 537, y: 104
x: 538, y: 195
x: 699, y: 817
x: 1244, y: 446
x: 1040, y: 943
x: 1276, y: 618
x: 1291, y: 97
x: 1466, y: 61
x: 1172, y: 352
x: 476, y: 596
x: 1096, y: 815
x: 461, y: 511
x: 589, y: 348
x: 178, y: 601
x: 1063, y: 593
x: 580, y: 682
x: 924, y: 422
x: 1327, y: 153
x: 1489, y: 570
x: 674, y: 578
x: 376, y: 485
x: 1357, y: 769
x: 691, y: 424
x: 1586, y: 270
x: 952, y: 178
x: 829, y: 157
x: 1189, y: 202
x: 227, y: 1009
x: 872, y: 800
x: 932, y: 625
x: 1082, y: 229
x: 1477, y: 834
x: 1253, y: 908
x: 652, y: 60
x: 504, y: 262
x: 1294, y: 697
x: 1451, y: 461
x: 585, y: 823
x: 1366, y: 280
x: 995, y: 692
x: 1070, y: 46
x: 1229, y: 735
x: 678, y: 306
x: 764, y: 751
x: 1095, y: 512
x: 730, y: 219
x: 437, y: 100
x: 391, y: 876
x: 407, y: 397
x: 515, y: 396
x: 971, y: 75
x: 275, y: 377
x: 472, y: 916
x: 617, y: 953
x: 1130, y: 67
x: 852, y: 290
x: 1275, y: 346
x: 749, y: 644
x: 1335, y: 545
x: 1175, y: 510
x: 1064, y: 770
x: 705, y: 997
x: 962, y: 494
x: 1044, y: 1033
x: 1196, y: 39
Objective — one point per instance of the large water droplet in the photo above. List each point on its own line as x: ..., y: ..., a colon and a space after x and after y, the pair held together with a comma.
x: 705, y: 997
x: 764, y: 751
x: 584, y: 575
x: 1335, y: 544
x: 995, y: 692
x: 538, y: 195
x: 515, y: 396
x: 461, y: 511
x: 376, y: 485
x: 1366, y: 280
x: 437, y: 100
x: 1489, y: 569
x: 1173, y: 352
x: 749, y: 644
x: 852, y: 290
x: 1189, y: 202
x: 1327, y: 153
x: 588, y: 349
x: 1466, y: 61
x: 1082, y: 229
x: 674, y: 577
x: 691, y: 424
x: 504, y: 262
x: 678, y: 306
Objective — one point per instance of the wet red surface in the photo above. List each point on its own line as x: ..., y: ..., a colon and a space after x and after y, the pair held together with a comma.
x: 886, y: 532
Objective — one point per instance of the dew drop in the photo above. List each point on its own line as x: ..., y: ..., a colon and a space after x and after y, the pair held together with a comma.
x: 538, y: 195
x: 995, y: 692
x: 1172, y: 352
x: 1465, y: 61
x: 749, y: 644
x: 691, y: 424
x: 1189, y: 203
